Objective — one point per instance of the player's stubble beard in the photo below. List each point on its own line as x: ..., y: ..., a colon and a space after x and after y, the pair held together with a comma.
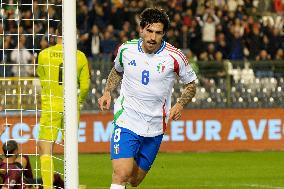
x: 151, y: 46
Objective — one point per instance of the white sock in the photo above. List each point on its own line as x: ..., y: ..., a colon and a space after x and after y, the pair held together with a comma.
x: 116, y: 186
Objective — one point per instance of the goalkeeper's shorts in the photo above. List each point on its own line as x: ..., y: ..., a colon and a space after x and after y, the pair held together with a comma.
x: 50, y: 125
x: 127, y: 144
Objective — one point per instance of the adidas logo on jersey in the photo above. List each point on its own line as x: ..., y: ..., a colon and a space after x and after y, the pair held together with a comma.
x: 132, y: 63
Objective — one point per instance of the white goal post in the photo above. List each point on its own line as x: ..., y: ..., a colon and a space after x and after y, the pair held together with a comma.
x: 70, y: 95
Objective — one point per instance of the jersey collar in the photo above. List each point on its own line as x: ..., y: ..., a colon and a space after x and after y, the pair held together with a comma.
x: 162, y: 47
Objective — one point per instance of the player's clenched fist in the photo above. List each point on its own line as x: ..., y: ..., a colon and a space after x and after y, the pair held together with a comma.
x: 175, y: 112
x: 104, y: 101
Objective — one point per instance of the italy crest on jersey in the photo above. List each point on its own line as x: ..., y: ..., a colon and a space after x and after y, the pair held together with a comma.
x: 161, y: 68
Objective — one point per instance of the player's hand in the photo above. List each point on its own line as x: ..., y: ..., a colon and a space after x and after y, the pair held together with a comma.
x: 175, y: 112
x: 104, y: 101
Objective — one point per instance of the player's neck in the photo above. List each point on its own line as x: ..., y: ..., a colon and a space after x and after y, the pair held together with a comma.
x: 9, y: 160
x: 59, y: 40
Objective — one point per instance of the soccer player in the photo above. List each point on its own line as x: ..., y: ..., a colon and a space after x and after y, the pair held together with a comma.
x: 50, y: 71
x: 17, y: 171
x: 14, y: 166
x: 147, y: 68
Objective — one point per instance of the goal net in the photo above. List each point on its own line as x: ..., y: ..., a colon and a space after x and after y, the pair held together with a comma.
x: 27, y: 27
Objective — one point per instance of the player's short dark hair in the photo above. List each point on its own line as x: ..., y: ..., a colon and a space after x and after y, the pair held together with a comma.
x: 154, y: 15
x: 59, y: 28
x: 9, y: 147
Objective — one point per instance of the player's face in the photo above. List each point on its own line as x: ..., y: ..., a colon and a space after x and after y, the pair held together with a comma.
x: 152, y: 36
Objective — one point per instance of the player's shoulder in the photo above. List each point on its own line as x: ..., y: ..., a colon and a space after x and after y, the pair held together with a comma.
x: 170, y: 49
x: 175, y: 53
x: 130, y: 44
x: 46, y: 51
x: 81, y: 58
x: 80, y: 54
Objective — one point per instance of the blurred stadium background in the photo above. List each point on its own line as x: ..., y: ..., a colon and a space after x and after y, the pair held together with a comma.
x: 235, y: 46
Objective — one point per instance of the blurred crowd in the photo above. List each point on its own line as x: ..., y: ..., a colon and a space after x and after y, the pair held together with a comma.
x: 205, y: 29
x: 210, y: 29
x: 26, y: 27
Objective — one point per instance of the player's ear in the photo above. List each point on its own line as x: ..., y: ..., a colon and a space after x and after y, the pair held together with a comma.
x: 164, y: 31
x: 141, y: 31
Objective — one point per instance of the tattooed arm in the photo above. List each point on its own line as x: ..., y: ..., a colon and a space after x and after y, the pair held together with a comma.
x: 186, y: 96
x: 113, y: 81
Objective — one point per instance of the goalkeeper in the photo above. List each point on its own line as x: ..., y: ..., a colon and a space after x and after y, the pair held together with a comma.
x: 50, y: 72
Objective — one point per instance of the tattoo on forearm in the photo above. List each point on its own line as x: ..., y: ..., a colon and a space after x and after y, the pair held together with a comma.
x: 187, y: 94
x: 113, y: 80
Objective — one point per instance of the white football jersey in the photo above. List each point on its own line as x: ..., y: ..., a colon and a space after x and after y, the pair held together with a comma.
x: 145, y: 96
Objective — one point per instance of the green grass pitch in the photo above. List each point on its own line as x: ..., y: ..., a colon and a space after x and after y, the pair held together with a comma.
x: 226, y: 170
